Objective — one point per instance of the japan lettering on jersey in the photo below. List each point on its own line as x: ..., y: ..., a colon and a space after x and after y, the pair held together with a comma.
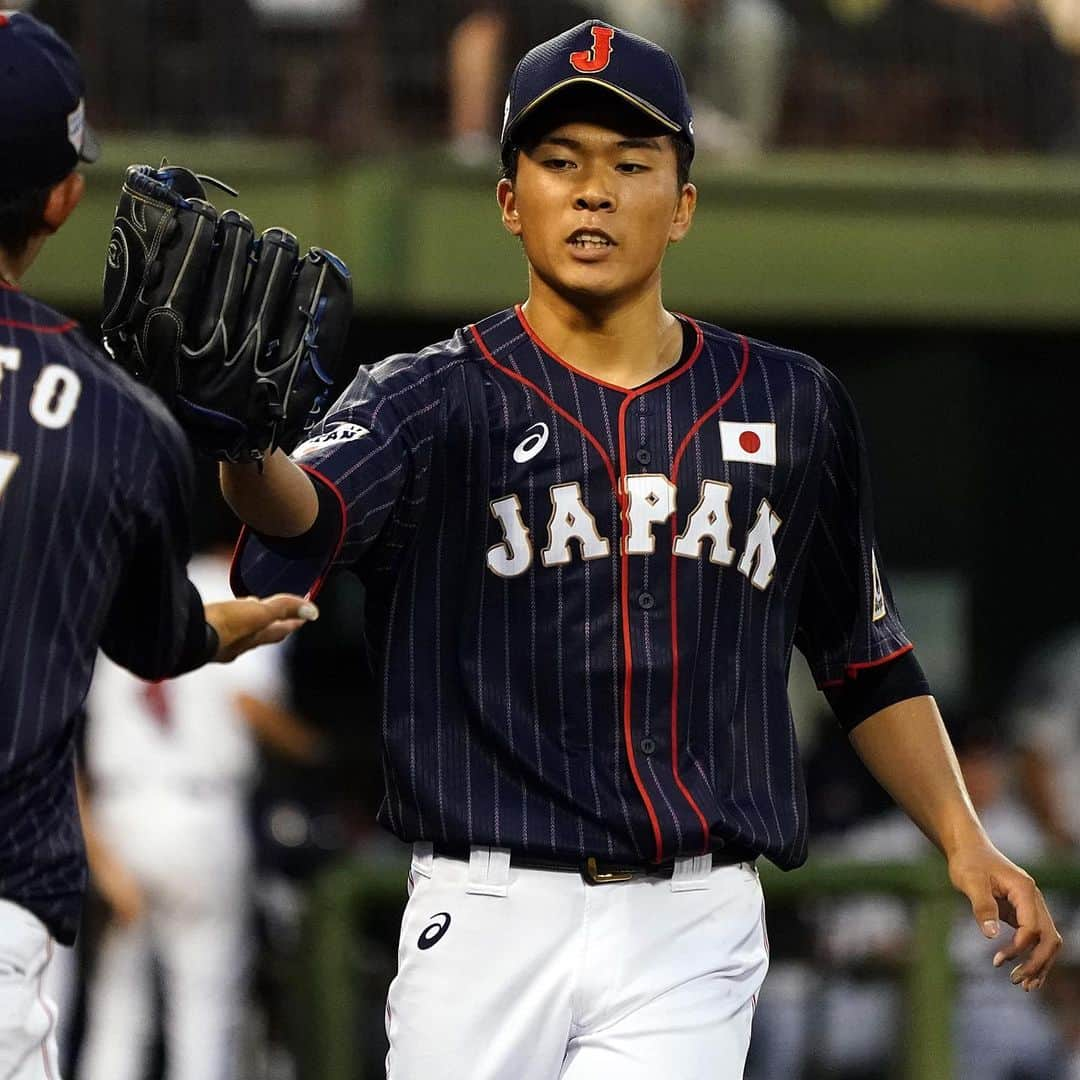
x: 582, y: 599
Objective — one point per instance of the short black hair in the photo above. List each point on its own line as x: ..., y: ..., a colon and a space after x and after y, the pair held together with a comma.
x: 684, y: 158
x: 587, y: 102
x: 22, y: 213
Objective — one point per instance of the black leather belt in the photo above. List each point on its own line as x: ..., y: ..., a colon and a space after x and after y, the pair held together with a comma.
x: 596, y: 870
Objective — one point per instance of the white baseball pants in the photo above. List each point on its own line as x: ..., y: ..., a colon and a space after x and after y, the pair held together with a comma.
x: 520, y: 974
x: 191, y: 858
x: 27, y: 1017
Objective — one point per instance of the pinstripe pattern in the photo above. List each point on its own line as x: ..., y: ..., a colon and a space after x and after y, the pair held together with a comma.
x: 93, y: 541
x: 625, y: 704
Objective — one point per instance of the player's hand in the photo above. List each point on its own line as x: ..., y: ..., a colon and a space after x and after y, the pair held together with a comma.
x: 245, y: 624
x: 999, y: 890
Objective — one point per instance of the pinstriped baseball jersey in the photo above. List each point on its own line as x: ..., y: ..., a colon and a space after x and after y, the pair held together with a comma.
x: 95, y: 481
x: 582, y: 600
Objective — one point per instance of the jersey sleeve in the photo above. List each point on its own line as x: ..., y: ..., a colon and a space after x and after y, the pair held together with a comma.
x: 847, y: 619
x: 156, y: 627
x: 368, y: 460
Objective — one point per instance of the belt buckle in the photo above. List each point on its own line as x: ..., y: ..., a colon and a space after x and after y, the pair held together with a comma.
x: 604, y: 877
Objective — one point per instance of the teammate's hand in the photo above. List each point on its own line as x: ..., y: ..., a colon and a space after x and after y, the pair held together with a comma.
x: 245, y: 624
x: 999, y: 889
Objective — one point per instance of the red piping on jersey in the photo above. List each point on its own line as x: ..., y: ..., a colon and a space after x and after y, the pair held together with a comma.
x: 851, y: 671
x: 61, y: 328
x: 4, y: 284
x: 321, y: 579
x: 611, y: 386
x: 245, y: 533
x: 619, y: 486
x: 548, y: 401
x: 234, y: 562
x: 620, y: 498
x: 628, y: 685
x: 674, y: 591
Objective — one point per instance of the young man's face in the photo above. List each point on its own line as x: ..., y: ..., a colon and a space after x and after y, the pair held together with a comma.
x: 596, y: 201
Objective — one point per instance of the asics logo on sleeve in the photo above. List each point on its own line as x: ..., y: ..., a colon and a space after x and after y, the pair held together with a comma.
x: 535, y: 440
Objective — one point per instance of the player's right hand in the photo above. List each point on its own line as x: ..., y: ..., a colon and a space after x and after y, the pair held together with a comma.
x: 245, y: 624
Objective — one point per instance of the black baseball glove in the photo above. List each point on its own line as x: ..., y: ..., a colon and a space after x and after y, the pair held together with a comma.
x: 241, y: 336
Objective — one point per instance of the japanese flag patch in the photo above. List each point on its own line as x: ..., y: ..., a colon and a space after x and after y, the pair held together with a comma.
x: 754, y: 443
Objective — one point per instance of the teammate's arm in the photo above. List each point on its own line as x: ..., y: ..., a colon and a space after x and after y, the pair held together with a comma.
x: 906, y: 747
x: 157, y: 626
x: 279, y: 500
x: 240, y: 625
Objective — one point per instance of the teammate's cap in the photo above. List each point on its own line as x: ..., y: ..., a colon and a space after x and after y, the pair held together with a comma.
x: 638, y: 71
x: 43, y: 129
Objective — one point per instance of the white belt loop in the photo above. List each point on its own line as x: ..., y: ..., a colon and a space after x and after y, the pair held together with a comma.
x: 423, y: 853
x: 489, y: 871
x: 691, y: 872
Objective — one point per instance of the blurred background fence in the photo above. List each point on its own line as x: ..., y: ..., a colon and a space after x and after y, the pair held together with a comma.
x: 891, y: 185
x: 366, y: 75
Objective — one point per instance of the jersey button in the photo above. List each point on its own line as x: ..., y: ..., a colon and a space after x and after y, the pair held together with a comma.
x: 643, y: 457
x: 648, y: 745
x: 646, y: 600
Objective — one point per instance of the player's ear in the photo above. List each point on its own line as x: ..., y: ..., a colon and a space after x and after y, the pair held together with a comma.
x: 62, y: 200
x: 508, y: 204
x: 684, y: 213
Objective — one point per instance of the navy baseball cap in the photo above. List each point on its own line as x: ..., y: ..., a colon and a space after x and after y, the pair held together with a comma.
x: 43, y: 129
x: 596, y: 53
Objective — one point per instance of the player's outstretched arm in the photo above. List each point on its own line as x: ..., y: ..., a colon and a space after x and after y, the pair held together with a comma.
x: 241, y: 625
x: 278, y: 500
x: 907, y: 748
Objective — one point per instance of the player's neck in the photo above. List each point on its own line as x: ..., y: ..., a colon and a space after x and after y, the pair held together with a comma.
x: 9, y: 275
x: 626, y: 344
x: 12, y: 268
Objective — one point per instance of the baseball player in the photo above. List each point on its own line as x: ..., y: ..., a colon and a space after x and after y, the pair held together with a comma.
x: 592, y: 531
x: 170, y: 766
x: 95, y: 483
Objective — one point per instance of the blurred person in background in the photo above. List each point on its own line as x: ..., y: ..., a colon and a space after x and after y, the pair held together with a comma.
x: 988, y: 75
x: 732, y: 52
x: 483, y: 44
x: 1046, y: 731
x: 169, y: 770
x: 849, y: 1023
x: 735, y: 56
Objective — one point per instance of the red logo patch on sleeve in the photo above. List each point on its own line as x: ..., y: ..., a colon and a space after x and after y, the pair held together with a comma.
x: 590, y: 61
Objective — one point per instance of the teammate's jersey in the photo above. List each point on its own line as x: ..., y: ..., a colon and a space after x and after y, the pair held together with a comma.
x: 186, y: 733
x: 95, y: 480
x: 582, y: 600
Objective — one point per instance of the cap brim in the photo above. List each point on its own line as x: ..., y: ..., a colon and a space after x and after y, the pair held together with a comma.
x: 618, y: 91
x: 91, y: 146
